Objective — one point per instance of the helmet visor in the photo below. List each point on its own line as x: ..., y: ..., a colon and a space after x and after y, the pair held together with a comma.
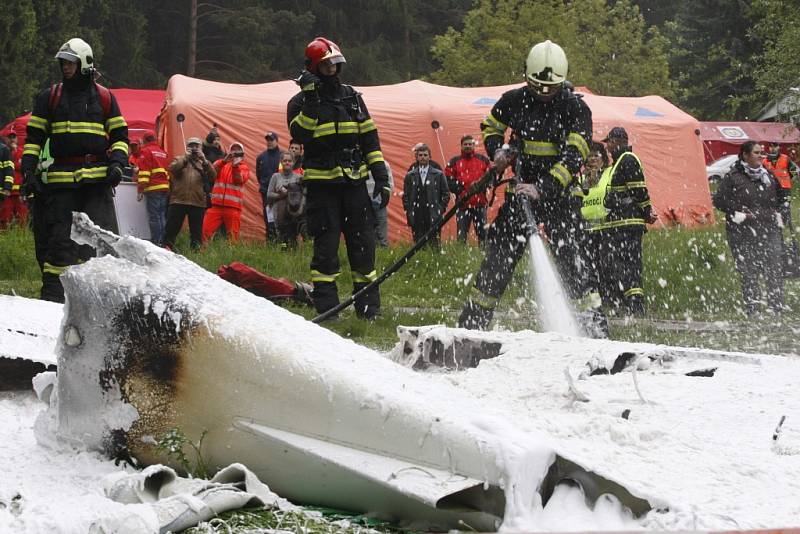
x: 68, y: 56
x: 544, y: 90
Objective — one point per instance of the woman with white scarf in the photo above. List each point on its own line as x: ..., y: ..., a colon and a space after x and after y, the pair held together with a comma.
x: 750, y: 196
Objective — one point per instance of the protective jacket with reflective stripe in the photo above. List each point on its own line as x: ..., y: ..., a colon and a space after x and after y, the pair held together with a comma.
x: 153, y: 163
x: 340, y: 140
x: 6, y: 168
x: 228, y: 190
x: 554, y: 137
x: 77, y: 128
x: 627, y: 199
x: 780, y: 169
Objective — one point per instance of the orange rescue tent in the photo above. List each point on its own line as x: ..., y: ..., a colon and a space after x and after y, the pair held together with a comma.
x: 663, y: 136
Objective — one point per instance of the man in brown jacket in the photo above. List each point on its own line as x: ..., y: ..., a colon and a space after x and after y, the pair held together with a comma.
x: 192, y: 178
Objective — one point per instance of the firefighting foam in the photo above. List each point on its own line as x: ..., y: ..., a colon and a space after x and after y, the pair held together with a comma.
x: 152, y: 342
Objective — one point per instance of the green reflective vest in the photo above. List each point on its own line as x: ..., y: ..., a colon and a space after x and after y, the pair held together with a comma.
x: 593, y: 209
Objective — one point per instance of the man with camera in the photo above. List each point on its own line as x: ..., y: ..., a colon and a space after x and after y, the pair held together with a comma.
x: 341, y: 148
x: 192, y: 178
x: 553, y: 130
x: 227, y: 195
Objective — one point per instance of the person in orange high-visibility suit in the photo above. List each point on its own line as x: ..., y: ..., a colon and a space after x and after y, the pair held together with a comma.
x: 779, y: 165
x: 227, y: 195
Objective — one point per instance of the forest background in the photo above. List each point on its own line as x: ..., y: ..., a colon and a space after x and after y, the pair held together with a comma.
x: 716, y: 59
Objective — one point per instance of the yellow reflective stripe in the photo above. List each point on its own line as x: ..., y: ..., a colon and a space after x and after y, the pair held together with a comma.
x: 61, y: 177
x: 156, y: 187
x: 15, y: 187
x: 561, y: 173
x: 540, y: 148
x: 304, y: 122
x: 577, y: 140
x: 77, y: 127
x: 32, y: 149
x: 375, y: 156
x: 122, y: 146
x: 115, y: 122
x: 619, y: 223
x: 54, y: 269
x: 645, y: 204
x: 38, y: 122
x: 158, y: 170
x: 360, y: 278
x: 317, y: 276
x: 330, y: 174
x: 493, y: 124
x: 347, y: 127
x: 329, y: 128
x: 366, y: 126
x: 631, y: 185
x: 634, y: 291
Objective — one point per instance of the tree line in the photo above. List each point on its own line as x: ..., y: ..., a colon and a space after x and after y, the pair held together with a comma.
x: 716, y: 59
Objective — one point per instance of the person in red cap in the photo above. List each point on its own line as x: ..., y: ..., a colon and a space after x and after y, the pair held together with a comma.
x: 227, y: 195
x: 153, y: 185
x: 341, y: 148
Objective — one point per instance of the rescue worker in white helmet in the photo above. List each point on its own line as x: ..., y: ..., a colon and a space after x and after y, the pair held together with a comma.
x: 341, y: 148
x: 553, y: 129
x: 89, y: 145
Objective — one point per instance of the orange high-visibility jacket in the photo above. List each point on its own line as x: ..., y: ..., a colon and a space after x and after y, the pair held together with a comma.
x: 153, y: 163
x: 228, y: 188
x: 780, y: 169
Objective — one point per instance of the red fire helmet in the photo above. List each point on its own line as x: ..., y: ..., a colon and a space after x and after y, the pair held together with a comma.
x: 321, y: 49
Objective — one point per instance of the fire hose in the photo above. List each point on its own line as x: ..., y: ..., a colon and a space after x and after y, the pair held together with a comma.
x: 482, y: 184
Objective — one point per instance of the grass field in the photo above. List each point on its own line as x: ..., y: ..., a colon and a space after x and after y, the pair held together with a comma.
x: 688, y: 277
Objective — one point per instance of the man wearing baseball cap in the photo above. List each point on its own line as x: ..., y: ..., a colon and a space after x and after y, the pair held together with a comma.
x: 266, y: 165
x: 629, y: 210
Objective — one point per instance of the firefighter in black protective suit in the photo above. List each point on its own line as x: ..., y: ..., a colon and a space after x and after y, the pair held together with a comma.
x: 553, y: 127
x: 341, y: 148
x: 89, y: 146
x: 629, y: 209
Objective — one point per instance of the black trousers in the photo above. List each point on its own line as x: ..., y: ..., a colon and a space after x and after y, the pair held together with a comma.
x: 60, y: 251
x: 625, y: 247
x: 176, y: 214
x: 505, y: 244
x: 596, y: 251
x: 333, y: 210
x: 758, y: 254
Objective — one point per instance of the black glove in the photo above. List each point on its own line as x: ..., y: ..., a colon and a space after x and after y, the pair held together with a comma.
x: 31, y: 184
x: 114, y: 173
x: 308, y: 81
x: 383, y: 192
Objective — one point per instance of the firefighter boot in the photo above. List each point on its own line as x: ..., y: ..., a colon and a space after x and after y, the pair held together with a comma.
x: 475, y: 316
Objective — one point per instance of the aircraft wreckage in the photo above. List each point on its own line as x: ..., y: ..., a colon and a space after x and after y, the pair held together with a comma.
x: 151, y: 342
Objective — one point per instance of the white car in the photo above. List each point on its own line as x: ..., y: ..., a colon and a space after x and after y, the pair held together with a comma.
x: 719, y: 168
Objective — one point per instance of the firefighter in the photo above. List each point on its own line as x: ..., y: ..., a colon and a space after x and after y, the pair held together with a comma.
x: 553, y: 127
x: 628, y: 210
x: 341, y: 148
x: 88, y: 141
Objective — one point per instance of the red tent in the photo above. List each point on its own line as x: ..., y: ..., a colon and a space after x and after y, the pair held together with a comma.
x: 723, y: 138
x: 662, y: 135
x: 140, y: 107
